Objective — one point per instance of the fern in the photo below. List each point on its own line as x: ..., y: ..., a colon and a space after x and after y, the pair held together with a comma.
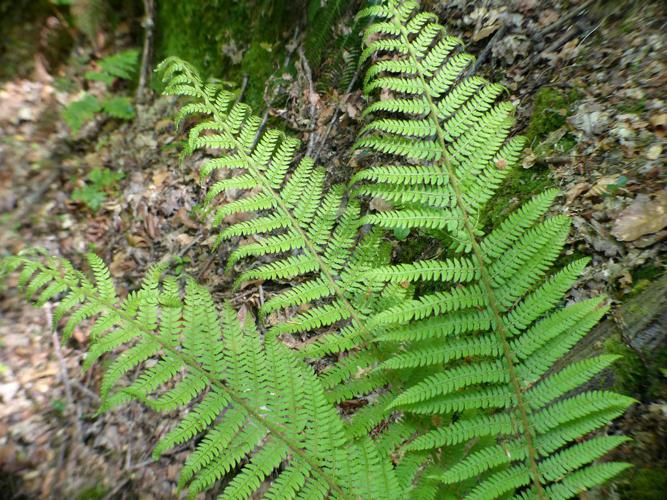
x: 256, y: 411
x: 486, y: 348
x: 300, y: 231
x: 461, y: 360
x: 122, y: 65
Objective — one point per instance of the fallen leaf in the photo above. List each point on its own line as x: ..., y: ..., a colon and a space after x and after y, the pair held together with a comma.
x: 159, y: 177
x: 654, y: 152
x: 380, y: 205
x: 574, y: 191
x: 645, y: 215
x: 529, y: 158
x: 485, y: 32
x: 659, y: 122
x: 602, y: 185
x: 184, y: 239
x: 183, y: 217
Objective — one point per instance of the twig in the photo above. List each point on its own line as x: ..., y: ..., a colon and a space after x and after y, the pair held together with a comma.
x: 208, y: 265
x: 146, y: 56
x: 562, y: 40
x: 311, y: 92
x: 117, y: 488
x: 564, y: 19
x: 265, y: 117
x: 84, y: 390
x: 63, y: 365
x: 334, y: 118
x: 34, y: 196
x: 244, y: 86
x: 500, y: 32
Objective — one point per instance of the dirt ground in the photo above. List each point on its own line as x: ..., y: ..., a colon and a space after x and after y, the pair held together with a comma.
x: 588, y: 79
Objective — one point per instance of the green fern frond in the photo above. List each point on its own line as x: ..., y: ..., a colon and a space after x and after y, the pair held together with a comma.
x: 496, y: 373
x: 263, y: 414
x: 301, y: 232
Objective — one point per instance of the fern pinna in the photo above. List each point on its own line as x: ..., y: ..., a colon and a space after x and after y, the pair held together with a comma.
x: 483, y: 352
x: 466, y: 389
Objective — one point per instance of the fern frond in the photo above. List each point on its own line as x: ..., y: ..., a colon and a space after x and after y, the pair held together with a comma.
x: 495, y: 373
x: 302, y: 232
x: 262, y: 412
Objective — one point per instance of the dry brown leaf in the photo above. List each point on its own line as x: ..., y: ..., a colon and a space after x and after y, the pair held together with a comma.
x: 654, y: 152
x: 182, y: 217
x: 575, y: 191
x: 601, y: 186
x: 659, y: 122
x: 160, y: 176
x: 485, y: 32
x: 646, y: 215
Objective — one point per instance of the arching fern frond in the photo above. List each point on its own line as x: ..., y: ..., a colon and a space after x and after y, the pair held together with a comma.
x: 258, y: 412
x: 300, y: 232
x: 430, y: 111
x: 484, y: 352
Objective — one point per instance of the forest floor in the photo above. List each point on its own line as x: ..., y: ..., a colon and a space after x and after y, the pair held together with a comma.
x: 589, y: 88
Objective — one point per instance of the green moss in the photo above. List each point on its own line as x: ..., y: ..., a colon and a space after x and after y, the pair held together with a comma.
x: 93, y: 492
x: 647, y: 272
x: 551, y: 107
x: 629, y: 370
x: 19, y: 23
x: 646, y: 483
x: 226, y: 39
x: 642, y: 277
x: 635, y: 106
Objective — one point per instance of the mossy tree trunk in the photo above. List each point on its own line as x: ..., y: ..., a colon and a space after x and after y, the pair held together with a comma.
x: 229, y: 39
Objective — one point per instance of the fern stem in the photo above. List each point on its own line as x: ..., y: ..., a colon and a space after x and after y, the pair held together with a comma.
x: 194, y: 366
x: 485, y: 278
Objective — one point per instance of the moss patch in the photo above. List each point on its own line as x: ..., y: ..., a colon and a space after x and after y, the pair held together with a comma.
x: 519, y: 186
x: 551, y: 107
x: 227, y: 39
x: 629, y: 370
x: 647, y: 483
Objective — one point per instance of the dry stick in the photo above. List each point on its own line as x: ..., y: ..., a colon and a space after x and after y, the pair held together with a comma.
x: 33, y: 197
x: 244, y: 86
x: 562, y: 40
x: 84, y: 390
x: 311, y: 91
x: 500, y: 32
x: 265, y: 116
x: 334, y: 118
x: 149, y: 25
x: 565, y: 18
x: 63, y: 366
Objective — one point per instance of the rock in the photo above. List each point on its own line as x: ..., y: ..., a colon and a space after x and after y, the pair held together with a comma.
x: 645, y: 215
x: 8, y: 391
x: 590, y: 118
